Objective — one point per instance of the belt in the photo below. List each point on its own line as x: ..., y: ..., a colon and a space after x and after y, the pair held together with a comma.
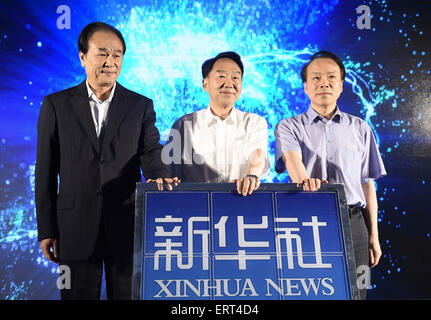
x: 354, y: 210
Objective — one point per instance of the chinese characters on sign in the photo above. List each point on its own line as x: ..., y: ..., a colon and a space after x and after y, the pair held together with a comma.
x: 289, y: 235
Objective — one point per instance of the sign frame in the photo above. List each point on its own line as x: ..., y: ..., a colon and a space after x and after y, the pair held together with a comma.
x: 143, y: 188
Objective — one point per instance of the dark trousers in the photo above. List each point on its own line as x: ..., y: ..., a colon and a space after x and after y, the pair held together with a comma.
x: 86, y: 275
x: 360, y: 242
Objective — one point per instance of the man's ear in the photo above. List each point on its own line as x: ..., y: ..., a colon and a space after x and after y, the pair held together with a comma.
x: 82, y: 58
x: 305, y: 87
x: 205, y: 84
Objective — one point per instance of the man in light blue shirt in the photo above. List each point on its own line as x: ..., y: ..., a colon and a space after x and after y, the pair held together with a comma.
x: 324, y: 144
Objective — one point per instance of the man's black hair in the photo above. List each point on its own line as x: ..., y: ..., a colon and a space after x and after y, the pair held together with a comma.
x: 208, y: 64
x: 324, y: 54
x: 93, y: 27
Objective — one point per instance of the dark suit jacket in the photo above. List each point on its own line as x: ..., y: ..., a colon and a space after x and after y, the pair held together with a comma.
x: 94, y: 177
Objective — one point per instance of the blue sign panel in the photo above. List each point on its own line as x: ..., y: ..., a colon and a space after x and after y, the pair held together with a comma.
x: 204, y: 241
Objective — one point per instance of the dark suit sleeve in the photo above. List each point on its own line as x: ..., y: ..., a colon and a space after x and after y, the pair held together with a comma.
x: 150, y: 147
x: 46, y: 172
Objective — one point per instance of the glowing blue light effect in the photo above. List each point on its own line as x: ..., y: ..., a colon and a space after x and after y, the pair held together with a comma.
x: 167, y: 41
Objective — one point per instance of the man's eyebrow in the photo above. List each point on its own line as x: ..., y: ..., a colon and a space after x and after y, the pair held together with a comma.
x: 316, y: 72
x: 220, y: 70
x: 116, y: 50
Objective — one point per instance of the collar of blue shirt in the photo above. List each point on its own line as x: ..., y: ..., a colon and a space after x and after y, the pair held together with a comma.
x: 313, y: 116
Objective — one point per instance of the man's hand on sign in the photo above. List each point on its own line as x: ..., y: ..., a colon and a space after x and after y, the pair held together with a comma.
x: 310, y: 184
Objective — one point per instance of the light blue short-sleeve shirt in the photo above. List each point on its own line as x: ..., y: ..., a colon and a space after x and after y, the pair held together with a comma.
x: 340, y: 150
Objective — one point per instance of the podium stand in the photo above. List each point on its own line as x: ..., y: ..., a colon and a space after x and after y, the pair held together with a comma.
x: 204, y: 241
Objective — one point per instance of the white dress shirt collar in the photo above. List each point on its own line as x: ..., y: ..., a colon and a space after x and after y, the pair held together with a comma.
x: 211, y: 118
x: 92, y: 95
x: 99, y: 109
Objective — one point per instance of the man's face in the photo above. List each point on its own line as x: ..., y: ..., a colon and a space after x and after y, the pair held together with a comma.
x: 324, y: 84
x: 103, y: 59
x: 223, y: 83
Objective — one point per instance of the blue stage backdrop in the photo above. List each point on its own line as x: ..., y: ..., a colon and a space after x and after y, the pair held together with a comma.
x: 387, y: 84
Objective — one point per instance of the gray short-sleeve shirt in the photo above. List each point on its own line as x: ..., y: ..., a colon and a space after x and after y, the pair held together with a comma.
x: 340, y: 150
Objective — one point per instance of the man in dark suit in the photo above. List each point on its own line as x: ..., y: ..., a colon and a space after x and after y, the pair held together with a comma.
x: 92, y: 139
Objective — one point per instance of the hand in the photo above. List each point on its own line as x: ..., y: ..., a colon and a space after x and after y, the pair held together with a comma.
x: 46, y: 245
x: 310, y: 184
x: 374, y: 249
x: 168, y: 182
x: 247, y: 185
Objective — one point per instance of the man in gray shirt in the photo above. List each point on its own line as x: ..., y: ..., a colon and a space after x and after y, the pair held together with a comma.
x: 324, y: 144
